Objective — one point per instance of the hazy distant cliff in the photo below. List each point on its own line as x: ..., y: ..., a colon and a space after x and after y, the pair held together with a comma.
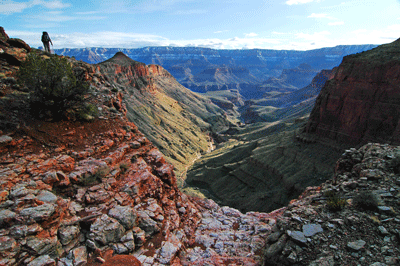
x: 182, y: 62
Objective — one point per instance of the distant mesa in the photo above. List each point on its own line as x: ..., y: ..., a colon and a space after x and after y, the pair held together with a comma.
x: 121, y: 59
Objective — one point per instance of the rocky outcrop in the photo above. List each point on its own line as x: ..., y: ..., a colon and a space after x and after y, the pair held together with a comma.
x: 71, y: 206
x: 351, y: 220
x: 175, y: 119
x: 361, y: 103
x: 12, y: 50
x: 100, y: 193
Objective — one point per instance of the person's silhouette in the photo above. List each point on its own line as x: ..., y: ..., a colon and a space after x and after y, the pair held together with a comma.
x: 46, y: 41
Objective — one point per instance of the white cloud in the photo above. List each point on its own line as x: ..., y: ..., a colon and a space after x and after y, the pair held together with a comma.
x: 360, y: 31
x: 299, y: 2
x: 337, y: 23
x: 221, y: 31
x: 190, y: 12
x: 251, y: 34
x: 133, y: 40
x: 10, y: 7
x: 313, y: 37
x: 51, y: 4
x: 58, y: 16
x: 314, y: 15
x: 87, y: 13
x: 145, y: 6
x: 279, y: 33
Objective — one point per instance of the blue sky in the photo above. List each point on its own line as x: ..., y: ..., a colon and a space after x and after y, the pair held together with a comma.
x: 219, y: 24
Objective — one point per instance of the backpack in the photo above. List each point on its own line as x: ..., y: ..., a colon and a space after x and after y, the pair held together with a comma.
x: 45, y: 37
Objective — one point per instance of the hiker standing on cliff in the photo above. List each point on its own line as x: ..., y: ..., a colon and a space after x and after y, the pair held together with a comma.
x: 46, y: 41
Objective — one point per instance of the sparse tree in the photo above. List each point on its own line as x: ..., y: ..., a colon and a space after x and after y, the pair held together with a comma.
x: 53, y: 86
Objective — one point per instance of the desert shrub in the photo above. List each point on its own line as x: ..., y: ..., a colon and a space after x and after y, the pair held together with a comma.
x: 91, y: 179
x: 124, y: 167
x: 52, y: 84
x: 334, y: 202
x: 87, y: 112
x: 366, y: 201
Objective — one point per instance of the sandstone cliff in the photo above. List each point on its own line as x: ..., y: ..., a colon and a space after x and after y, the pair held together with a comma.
x: 361, y: 103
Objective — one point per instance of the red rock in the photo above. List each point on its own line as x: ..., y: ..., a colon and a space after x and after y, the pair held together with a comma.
x: 3, y: 34
x: 65, y: 163
x: 361, y: 103
x: 42, y: 186
x: 18, y: 43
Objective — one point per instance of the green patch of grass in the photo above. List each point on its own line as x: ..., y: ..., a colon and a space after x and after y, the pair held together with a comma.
x: 124, y: 167
x: 95, y: 178
x: 334, y: 201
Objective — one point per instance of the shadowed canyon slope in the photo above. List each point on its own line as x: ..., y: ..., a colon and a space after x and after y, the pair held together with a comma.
x: 361, y: 103
x: 178, y: 121
x: 271, y: 161
x: 263, y: 166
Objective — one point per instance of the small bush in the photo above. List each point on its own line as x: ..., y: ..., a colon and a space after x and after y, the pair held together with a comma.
x: 334, y: 202
x: 52, y: 84
x: 366, y: 201
x: 124, y: 167
x: 95, y: 178
x: 88, y: 112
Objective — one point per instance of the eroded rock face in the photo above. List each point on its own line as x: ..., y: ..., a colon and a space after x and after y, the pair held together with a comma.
x: 311, y: 232
x: 136, y: 211
x: 361, y: 103
x: 13, y: 50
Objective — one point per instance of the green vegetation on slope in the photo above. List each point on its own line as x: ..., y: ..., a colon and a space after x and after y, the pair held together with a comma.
x: 263, y: 166
x: 53, y: 85
x: 176, y: 120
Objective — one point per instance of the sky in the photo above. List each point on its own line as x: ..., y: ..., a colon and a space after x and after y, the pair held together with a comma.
x: 217, y: 24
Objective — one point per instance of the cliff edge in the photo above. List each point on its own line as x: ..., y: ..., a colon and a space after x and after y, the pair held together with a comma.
x: 361, y: 103
x: 98, y: 192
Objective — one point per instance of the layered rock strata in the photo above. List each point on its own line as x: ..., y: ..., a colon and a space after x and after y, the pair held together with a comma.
x: 361, y: 103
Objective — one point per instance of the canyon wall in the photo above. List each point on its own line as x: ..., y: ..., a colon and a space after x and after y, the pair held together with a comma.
x: 361, y: 103
x: 185, y: 62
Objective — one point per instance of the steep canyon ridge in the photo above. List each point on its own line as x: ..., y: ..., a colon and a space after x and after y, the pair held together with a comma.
x: 104, y: 191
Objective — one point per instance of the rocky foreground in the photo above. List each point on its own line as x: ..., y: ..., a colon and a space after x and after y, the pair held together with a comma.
x: 54, y: 212
x: 367, y: 233
x: 98, y: 192
x: 70, y: 207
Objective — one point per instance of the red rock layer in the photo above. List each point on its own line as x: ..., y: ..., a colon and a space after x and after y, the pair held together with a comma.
x: 361, y: 103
